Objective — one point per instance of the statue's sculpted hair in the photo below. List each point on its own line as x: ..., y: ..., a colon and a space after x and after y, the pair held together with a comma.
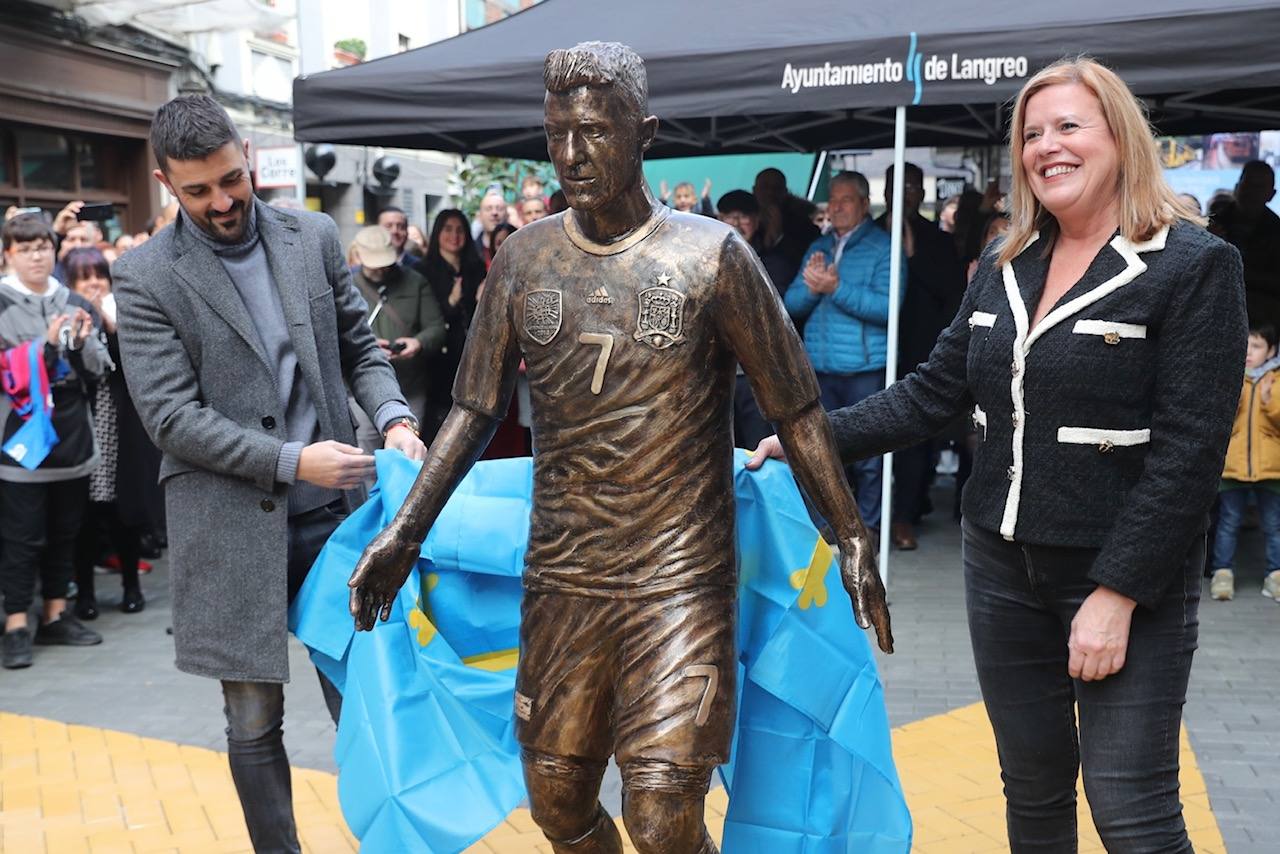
x: 599, y: 64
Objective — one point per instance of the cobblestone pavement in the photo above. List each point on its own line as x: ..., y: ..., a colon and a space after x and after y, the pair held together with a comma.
x: 129, y: 685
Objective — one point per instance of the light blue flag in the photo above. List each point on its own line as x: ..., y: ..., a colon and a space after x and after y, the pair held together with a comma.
x: 426, y: 750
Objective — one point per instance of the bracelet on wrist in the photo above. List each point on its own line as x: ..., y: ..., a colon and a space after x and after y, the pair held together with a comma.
x: 402, y: 421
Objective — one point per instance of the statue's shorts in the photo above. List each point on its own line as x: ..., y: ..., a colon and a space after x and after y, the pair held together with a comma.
x: 646, y: 680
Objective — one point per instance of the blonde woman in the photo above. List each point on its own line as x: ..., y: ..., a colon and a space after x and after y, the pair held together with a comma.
x: 1099, y: 347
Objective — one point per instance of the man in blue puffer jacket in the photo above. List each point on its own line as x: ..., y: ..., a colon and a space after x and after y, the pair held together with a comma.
x: 841, y: 295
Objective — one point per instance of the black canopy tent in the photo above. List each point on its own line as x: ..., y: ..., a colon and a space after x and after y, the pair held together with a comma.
x: 809, y: 75
x: 806, y: 75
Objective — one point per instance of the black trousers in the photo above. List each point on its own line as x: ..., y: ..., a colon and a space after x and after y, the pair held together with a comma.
x: 102, y: 526
x: 1021, y: 600
x: 38, y: 524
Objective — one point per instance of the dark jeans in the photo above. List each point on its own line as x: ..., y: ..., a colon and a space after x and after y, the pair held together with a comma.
x: 1021, y: 600
x: 1231, y: 507
x: 39, y: 523
x: 841, y: 390
x: 255, y: 713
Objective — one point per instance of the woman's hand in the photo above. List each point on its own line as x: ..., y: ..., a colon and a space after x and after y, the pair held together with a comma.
x: 1100, y: 635
x: 769, y: 447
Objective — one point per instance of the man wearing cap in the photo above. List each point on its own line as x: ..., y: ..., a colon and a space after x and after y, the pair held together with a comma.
x: 404, y: 314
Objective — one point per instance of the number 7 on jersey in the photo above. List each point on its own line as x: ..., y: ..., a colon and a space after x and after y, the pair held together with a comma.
x: 605, y: 342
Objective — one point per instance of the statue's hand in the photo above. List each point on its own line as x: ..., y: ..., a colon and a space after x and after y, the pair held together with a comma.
x: 380, y: 574
x: 861, y: 578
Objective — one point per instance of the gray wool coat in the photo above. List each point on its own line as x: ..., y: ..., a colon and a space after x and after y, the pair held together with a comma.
x: 196, y: 371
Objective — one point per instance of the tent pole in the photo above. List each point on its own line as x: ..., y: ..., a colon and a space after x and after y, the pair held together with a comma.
x: 891, y: 348
x: 817, y: 174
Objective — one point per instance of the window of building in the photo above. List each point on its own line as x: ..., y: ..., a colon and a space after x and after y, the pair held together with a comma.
x: 87, y: 162
x: 46, y: 168
x: 45, y: 159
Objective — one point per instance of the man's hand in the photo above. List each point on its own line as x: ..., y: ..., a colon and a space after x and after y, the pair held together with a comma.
x: 664, y: 191
x: 861, y: 578
x: 706, y: 189
x: 1264, y: 388
x: 819, y: 276
x: 1099, y: 635
x: 404, y: 440
x: 66, y: 218
x: 379, y: 575
x: 769, y: 448
x: 411, y: 348
x: 334, y: 465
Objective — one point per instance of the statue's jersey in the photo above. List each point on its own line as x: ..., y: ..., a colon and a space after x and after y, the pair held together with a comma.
x: 629, y: 351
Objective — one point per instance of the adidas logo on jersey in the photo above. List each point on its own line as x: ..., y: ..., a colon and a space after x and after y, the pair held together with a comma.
x: 600, y: 297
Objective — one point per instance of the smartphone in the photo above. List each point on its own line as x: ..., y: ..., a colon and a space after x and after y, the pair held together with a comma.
x: 398, y: 346
x: 96, y: 212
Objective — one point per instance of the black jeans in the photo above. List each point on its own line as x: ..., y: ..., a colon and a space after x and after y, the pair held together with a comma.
x: 1021, y: 600
x: 39, y: 523
x: 255, y: 713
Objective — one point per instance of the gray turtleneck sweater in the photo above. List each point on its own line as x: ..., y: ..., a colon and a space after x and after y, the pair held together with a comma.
x: 246, y: 265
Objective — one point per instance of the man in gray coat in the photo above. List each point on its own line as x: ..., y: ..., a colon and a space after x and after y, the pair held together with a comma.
x: 238, y: 326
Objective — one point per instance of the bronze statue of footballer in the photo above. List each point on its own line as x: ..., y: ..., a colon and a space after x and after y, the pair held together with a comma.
x: 630, y: 318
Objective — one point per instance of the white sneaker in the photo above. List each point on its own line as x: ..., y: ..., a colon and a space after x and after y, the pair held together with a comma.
x: 1271, y: 585
x: 1223, y: 586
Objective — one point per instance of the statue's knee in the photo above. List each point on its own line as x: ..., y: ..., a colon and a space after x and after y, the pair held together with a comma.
x: 663, y: 807
x: 563, y: 794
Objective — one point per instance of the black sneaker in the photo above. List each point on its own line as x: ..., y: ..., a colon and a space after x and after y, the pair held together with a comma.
x: 66, y: 631
x: 17, y: 648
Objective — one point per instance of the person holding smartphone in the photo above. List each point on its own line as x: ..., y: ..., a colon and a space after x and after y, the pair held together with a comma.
x: 404, y: 314
x: 44, y: 484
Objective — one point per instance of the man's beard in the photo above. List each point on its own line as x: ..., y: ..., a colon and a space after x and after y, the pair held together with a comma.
x: 219, y: 232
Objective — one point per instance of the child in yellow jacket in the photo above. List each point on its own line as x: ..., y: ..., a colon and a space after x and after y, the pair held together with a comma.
x: 1252, y: 467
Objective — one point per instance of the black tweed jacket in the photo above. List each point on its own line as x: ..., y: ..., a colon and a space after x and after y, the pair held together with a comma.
x: 1105, y: 426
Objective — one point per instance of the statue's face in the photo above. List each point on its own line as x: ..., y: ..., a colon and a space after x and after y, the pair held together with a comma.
x: 595, y: 144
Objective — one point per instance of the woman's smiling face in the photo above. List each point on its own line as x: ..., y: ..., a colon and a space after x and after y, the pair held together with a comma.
x: 1069, y: 154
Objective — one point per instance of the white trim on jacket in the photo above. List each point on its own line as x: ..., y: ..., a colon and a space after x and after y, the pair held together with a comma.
x: 1103, y: 438
x: 1025, y: 338
x: 1110, y: 327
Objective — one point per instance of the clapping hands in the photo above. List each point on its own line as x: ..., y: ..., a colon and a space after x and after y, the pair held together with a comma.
x: 819, y: 276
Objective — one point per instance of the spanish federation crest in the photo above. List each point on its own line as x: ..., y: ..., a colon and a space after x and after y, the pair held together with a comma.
x: 660, y: 321
x: 542, y: 315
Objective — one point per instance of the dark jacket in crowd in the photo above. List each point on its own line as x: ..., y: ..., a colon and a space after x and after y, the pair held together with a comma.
x: 1259, y: 245
x: 439, y: 274
x: 1104, y: 426
x: 139, y: 498
x: 935, y: 286
x: 409, y: 310
x: 781, y: 260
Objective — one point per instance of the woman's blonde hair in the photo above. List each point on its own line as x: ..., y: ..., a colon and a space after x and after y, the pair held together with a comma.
x: 1147, y: 203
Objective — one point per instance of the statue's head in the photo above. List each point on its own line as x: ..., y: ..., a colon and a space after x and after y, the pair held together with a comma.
x: 597, y: 121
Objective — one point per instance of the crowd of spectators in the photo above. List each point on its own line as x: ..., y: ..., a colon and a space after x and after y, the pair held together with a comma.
x: 78, y: 491
x: 89, y: 504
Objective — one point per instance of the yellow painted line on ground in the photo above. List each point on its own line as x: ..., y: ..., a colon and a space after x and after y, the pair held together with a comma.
x: 72, y: 789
